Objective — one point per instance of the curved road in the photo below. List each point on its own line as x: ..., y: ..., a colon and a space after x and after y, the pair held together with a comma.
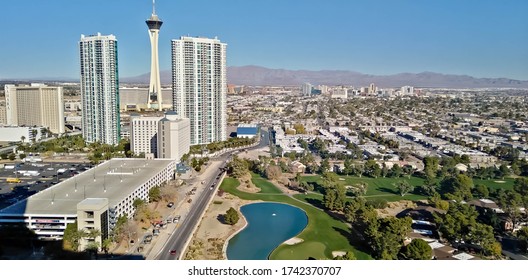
x: 181, y: 234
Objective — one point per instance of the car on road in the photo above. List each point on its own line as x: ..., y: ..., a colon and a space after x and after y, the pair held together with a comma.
x: 172, y: 252
x: 170, y: 204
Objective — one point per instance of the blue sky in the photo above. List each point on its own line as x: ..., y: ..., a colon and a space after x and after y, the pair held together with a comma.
x: 480, y: 38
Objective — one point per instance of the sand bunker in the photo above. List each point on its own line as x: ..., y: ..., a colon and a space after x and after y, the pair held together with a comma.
x: 293, y: 241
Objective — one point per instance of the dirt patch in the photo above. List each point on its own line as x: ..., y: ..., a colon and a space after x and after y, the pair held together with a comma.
x: 212, y: 233
x: 247, y: 186
x: 393, y: 208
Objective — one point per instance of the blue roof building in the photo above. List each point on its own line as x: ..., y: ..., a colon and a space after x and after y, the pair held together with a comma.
x: 247, y: 130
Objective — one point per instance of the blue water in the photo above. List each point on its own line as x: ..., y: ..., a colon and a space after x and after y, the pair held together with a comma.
x: 269, y: 225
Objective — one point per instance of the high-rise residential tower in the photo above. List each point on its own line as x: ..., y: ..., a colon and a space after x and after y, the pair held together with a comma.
x: 99, y: 89
x: 154, y: 94
x: 199, y: 87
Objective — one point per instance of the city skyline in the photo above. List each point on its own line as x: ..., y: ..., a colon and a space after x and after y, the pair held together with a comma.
x: 374, y: 37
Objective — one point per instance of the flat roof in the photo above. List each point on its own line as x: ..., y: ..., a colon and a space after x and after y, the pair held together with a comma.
x: 113, y: 180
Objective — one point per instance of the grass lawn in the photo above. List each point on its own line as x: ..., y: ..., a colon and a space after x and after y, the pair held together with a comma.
x: 264, y: 185
x: 377, y: 188
x: 322, y: 235
x: 495, y: 184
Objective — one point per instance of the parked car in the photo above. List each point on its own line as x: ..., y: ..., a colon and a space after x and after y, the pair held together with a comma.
x: 170, y: 204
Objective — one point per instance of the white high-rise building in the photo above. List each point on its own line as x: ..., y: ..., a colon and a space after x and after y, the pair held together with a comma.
x: 154, y: 94
x: 199, y: 87
x: 307, y: 89
x: 407, y: 90
x: 144, y: 135
x: 160, y: 137
x: 35, y: 105
x: 99, y: 89
x: 173, y: 136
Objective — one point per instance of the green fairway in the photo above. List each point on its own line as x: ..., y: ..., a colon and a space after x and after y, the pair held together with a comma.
x: 264, y: 185
x: 297, y: 251
x: 384, y: 188
x: 495, y: 184
x: 322, y: 235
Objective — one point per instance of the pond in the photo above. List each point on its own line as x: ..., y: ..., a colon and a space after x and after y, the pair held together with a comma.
x: 269, y: 225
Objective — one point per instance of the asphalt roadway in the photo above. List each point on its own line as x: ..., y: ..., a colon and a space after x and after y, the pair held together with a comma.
x: 181, y: 234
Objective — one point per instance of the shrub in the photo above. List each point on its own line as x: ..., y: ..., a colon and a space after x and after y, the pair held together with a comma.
x: 377, y: 203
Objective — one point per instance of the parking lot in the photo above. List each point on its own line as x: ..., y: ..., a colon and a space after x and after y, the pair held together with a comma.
x: 33, y: 178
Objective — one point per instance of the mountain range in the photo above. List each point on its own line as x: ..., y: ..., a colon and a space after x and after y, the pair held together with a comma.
x: 261, y: 76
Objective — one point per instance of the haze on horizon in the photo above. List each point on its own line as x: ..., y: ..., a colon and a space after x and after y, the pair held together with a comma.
x: 480, y: 38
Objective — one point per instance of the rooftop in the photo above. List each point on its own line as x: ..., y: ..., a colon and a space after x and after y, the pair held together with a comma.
x: 113, y: 180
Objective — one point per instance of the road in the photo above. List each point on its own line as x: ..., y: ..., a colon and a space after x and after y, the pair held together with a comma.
x: 181, y: 234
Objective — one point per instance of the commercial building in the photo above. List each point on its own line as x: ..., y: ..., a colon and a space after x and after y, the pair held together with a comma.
x: 199, y: 86
x: 99, y: 89
x: 144, y: 135
x: 95, y: 198
x: 341, y: 92
x: 19, y: 133
x: 173, y: 136
x: 35, y: 105
x: 306, y: 89
x: 160, y: 137
x: 247, y: 131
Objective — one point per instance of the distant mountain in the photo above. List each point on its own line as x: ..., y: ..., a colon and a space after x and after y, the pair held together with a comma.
x: 261, y: 76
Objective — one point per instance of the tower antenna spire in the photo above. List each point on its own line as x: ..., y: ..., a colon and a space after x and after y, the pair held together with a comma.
x: 153, y: 7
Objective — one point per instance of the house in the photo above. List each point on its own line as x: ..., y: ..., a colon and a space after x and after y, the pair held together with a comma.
x: 297, y: 167
x: 484, y: 204
x: 421, y: 213
x: 461, y: 167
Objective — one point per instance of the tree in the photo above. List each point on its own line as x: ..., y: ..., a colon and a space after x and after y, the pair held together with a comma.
x: 430, y: 167
x: 404, y: 187
x: 155, y: 194
x: 510, y: 201
x: 335, y: 198
x: 481, y: 191
x: 408, y: 170
x: 325, y: 166
x: 138, y: 203
x: 22, y: 156
x: 72, y: 236
x: 395, y: 171
x: 231, y: 216
x: 522, y: 235
x: 418, y: 249
x: 482, y: 236
x: 503, y: 171
x: 456, y: 224
x: 105, y: 245
x: 520, y: 185
x: 237, y: 167
x: 273, y: 172
x: 386, y: 236
x: 348, y: 167
x: 4, y: 156
x: 372, y: 168
x: 12, y: 156
x: 458, y: 188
